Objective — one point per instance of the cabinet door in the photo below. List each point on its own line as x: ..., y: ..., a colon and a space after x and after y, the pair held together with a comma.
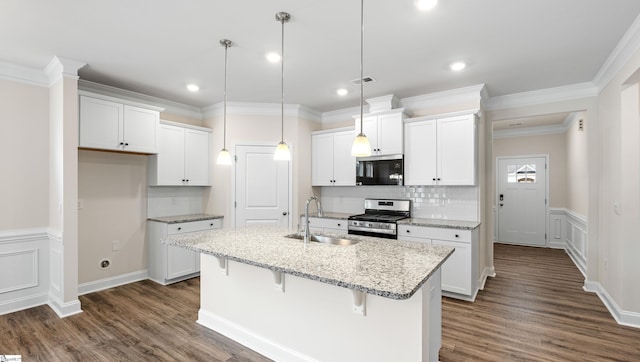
x: 456, y: 150
x: 170, y: 159
x: 370, y: 129
x: 456, y: 271
x: 196, y: 157
x: 100, y: 123
x: 390, y: 134
x: 181, y: 262
x: 420, y: 153
x: 322, y: 160
x: 140, y: 129
x: 344, y: 165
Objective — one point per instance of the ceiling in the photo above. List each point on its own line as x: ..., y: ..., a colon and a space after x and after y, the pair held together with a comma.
x: 157, y: 47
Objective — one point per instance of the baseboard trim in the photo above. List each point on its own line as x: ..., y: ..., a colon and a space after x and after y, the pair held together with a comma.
x: 556, y: 245
x: 622, y: 317
x: 18, y: 304
x: 249, y: 339
x: 576, y: 259
x: 65, y: 309
x: 118, y: 280
x: 486, y: 273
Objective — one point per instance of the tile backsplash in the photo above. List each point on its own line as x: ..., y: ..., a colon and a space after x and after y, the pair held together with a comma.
x: 169, y: 201
x: 437, y: 202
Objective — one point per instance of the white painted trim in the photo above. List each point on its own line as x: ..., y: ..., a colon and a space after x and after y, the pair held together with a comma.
x: 624, y: 50
x: 453, y: 96
x: 22, y: 74
x: 34, y: 282
x: 333, y: 130
x: 250, y: 339
x: 115, y: 281
x: 185, y: 125
x: 486, y: 273
x: 622, y: 317
x: 22, y: 303
x: 65, y: 309
x: 17, y: 236
x: 159, y: 103
x: 530, y: 131
x: 261, y: 109
x: 120, y: 100
x: 60, y: 67
x: 341, y: 115
x: 543, y: 96
x: 474, y: 111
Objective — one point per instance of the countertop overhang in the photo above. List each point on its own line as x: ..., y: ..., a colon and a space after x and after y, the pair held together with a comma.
x: 389, y: 268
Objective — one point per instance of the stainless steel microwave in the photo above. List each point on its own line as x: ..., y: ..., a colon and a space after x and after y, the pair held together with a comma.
x: 380, y: 170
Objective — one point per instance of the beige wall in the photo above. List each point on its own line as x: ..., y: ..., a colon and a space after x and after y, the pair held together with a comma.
x: 554, y: 145
x: 24, y: 144
x: 112, y: 189
x: 181, y: 119
x: 264, y: 130
x: 618, y: 270
x: 576, y: 154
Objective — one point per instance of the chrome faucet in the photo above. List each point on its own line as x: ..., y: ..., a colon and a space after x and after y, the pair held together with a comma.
x: 306, y: 216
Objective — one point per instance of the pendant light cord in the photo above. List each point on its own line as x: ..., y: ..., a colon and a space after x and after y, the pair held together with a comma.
x: 224, y: 142
x: 361, y: 66
x: 282, y: 82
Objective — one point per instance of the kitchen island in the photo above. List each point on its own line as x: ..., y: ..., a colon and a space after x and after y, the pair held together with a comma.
x: 376, y: 300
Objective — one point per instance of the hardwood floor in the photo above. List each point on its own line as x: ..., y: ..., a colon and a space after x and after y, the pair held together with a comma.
x: 533, y: 310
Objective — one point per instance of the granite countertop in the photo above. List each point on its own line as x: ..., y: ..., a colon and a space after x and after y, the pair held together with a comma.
x: 331, y: 215
x: 389, y: 268
x: 441, y: 223
x: 184, y: 218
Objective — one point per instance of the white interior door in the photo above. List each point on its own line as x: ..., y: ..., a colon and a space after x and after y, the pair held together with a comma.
x: 522, y: 201
x: 262, y: 187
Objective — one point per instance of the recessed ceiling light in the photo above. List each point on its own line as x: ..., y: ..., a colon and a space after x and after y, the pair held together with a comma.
x: 457, y: 66
x: 193, y: 87
x: 425, y: 5
x: 273, y: 57
x: 342, y: 92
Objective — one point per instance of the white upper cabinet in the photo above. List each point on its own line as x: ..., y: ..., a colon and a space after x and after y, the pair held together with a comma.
x: 384, y: 131
x: 183, y: 156
x: 440, y: 151
x: 331, y: 160
x: 110, y: 125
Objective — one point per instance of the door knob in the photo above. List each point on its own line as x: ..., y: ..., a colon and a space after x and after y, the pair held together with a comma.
x: 284, y: 213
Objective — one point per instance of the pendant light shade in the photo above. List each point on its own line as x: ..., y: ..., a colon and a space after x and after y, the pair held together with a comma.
x: 224, y: 158
x: 282, y: 149
x: 361, y: 145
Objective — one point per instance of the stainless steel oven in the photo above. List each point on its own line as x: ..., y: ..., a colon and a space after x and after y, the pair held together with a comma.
x: 380, y: 218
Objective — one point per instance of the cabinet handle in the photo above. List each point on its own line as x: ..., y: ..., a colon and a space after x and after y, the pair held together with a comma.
x: 438, y: 178
x: 434, y: 179
x: 126, y: 144
x: 179, y: 229
x: 408, y: 231
x: 121, y: 143
x: 457, y: 236
x: 339, y: 225
x: 211, y: 224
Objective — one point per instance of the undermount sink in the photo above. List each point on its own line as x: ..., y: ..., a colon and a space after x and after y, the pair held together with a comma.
x: 324, y: 239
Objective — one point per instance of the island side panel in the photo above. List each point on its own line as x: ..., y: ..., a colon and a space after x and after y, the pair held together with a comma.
x: 314, y: 321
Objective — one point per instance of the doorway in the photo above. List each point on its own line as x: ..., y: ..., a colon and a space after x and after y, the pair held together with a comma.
x: 521, y: 200
x: 262, y: 187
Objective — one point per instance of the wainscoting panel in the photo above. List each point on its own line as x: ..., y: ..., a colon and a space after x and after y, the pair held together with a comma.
x: 24, y: 269
x: 557, y: 229
x: 576, y: 240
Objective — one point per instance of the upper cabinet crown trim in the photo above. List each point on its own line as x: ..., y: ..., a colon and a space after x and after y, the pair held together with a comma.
x: 333, y: 130
x: 186, y: 125
x: 476, y: 112
x: 120, y: 100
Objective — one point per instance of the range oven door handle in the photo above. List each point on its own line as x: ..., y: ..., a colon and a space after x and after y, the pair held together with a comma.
x: 373, y: 230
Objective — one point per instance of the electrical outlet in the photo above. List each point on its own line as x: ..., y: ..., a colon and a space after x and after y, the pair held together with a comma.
x: 115, y: 245
x: 104, y: 263
x: 80, y: 204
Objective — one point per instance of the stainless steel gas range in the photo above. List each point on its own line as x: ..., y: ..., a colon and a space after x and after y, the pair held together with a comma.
x: 380, y: 218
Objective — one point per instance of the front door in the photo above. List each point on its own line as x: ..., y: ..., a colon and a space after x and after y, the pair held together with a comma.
x: 522, y: 201
x: 262, y: 187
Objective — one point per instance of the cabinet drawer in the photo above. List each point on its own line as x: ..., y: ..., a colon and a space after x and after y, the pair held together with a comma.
x: 319, y: 222
x: 434, y: 233
x: 187, y: 227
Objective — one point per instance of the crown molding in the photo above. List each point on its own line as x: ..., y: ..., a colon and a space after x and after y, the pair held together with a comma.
x: 542, y: 96
x: 172, y: 107
x: 22, y: 74
x: 60, y: 67
x: 261, y: 109
x: 459, y: 95
x: 341, y: 115
x: 622, y: 53
x: 530, y: 131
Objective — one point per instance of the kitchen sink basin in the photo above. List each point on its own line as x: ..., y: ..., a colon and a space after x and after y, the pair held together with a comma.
x: 324, y: 239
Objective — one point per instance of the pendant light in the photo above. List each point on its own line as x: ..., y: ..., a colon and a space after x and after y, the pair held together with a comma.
x: 361, y: 146
x: 224, y: 158
x: 282, y: 149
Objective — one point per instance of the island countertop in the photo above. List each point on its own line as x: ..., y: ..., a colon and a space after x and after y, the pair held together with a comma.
x: 388, y: 268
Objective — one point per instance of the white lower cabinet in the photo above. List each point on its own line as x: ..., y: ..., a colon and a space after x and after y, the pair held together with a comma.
x: 459, y: 272
x: 169, y: 264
